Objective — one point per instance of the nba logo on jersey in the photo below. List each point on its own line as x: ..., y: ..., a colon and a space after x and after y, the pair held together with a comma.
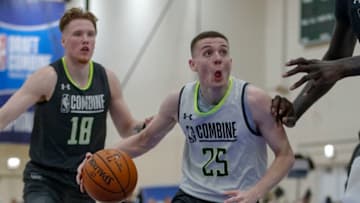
x: 65, y: 104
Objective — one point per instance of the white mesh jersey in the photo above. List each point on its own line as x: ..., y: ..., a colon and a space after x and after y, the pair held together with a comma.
x: 221, y: 151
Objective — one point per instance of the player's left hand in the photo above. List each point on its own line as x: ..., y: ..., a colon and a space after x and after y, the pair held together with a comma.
x: 79, y: 179
x: 283, y: 110
x: 320, y: 72
x: 237, y: 196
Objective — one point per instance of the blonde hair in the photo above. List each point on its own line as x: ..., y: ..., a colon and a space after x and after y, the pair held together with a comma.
x: 76, y: 13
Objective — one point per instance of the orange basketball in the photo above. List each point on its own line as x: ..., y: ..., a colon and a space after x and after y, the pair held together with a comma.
x: 109, y: 175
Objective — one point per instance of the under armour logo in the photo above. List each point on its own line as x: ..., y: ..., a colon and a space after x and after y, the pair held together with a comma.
x: 188, y: 116
x: 356, y: 1
x: 63, y: 86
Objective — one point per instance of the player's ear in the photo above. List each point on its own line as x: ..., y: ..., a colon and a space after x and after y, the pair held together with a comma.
x: 192, y: 65
x: 64, y: 36
x: 62, y: 41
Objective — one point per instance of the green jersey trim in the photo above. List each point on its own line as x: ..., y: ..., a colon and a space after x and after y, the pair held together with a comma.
x: 217, y: 106
x: 90, y: 78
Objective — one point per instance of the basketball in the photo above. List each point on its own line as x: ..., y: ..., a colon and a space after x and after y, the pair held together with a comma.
x: 109, y: 175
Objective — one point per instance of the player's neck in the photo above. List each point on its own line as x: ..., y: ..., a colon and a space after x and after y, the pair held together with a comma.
x: 212, y: 96
x: 79, y: 72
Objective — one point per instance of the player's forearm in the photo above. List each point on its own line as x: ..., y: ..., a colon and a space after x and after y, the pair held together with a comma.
x: 135, y: 145
x: 277, y: 171
x: 350, y: 66
x: 130, y: 129
x: 142, y: 142
x: 303, y: 101
x: 2, y: 123
x: 4, y: 120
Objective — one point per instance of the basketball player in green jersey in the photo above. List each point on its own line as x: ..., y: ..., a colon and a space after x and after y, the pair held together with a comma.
x: 227, y: 124
x: 72, y: 97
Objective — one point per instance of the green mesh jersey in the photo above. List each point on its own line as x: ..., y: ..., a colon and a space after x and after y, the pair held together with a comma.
x: 72, y: 122
x: 221, y: 152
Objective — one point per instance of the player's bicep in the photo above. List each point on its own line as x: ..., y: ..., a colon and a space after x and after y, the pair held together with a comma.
x: 118, y: 108
x: 121, y: 116
x: 38, y: 87
x: 270, y: 129
x: 275, y: 135
x: 165, y: 120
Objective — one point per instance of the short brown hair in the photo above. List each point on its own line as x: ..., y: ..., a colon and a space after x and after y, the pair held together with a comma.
x: 76, y: 13
x: 206, y: 34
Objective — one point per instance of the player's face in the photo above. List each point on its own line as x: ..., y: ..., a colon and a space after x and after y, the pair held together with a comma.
x: 79, y: 40
x: 212, y: 62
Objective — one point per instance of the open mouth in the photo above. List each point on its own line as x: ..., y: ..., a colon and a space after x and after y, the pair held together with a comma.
x: 85, y: 49
x: 218, y: 75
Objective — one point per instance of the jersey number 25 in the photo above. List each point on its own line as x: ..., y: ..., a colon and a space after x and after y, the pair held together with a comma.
x: 215, y: 156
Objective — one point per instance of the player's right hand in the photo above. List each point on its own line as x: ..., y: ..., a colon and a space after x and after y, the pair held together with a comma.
x: 238, y: 196
x: 323, y: 74
x: 79, y: 179
x: 282, y: 109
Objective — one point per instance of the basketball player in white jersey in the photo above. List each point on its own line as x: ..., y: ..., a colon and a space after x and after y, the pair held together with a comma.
x: 227, y: 124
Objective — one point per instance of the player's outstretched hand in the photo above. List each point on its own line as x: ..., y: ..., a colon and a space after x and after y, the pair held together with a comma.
x: 79, y: 171
x: 240, y: 197
x: 282, y: 109
x: 321, y: 73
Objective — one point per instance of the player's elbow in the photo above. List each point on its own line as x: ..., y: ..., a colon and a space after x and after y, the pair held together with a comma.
x: 289, y: 158
x: 2, y: 125
x: 286, y: 157
x: 3, y: 122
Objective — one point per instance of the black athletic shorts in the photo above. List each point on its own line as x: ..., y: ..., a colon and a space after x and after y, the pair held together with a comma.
x: 46, y: 185
x: 182, y: 197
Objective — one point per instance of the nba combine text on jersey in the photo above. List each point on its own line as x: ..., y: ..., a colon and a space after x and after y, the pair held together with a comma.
x: 212, y: 132
x: 82, y: 103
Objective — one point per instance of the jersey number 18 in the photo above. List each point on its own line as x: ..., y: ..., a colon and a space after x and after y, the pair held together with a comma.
x: 81, y: 136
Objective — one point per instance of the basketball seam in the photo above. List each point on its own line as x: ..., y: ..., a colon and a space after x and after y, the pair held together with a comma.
x: 120, y: 185
x: 104, y: 188
x: 128, y: 168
